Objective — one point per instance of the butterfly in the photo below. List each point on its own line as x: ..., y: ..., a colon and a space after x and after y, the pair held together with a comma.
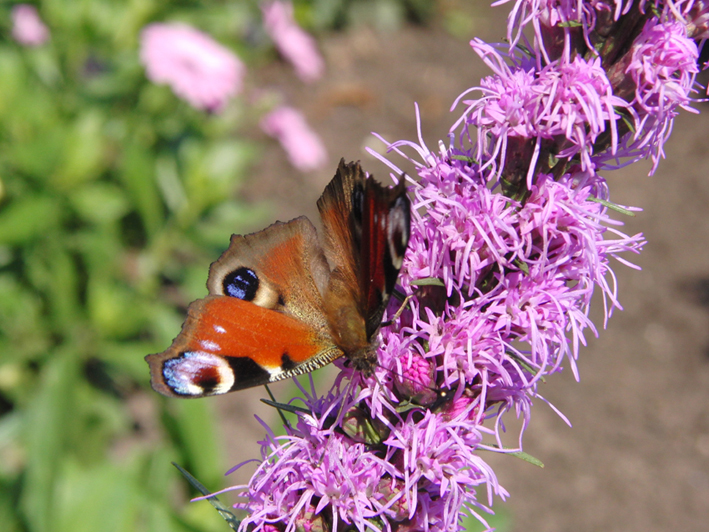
x: 281, y: 304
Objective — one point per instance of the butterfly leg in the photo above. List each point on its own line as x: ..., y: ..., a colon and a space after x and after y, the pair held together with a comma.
x: 398, y: 313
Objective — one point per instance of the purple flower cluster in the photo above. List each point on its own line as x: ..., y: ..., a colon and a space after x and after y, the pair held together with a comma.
x: 511, y: 235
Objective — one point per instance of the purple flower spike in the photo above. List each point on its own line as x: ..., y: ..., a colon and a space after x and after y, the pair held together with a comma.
x: 511, y: 236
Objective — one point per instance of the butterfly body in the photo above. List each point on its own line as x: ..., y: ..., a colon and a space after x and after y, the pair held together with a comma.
x: 280, y: 304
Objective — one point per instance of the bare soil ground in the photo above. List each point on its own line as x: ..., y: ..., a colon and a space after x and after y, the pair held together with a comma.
x: 637, y: 457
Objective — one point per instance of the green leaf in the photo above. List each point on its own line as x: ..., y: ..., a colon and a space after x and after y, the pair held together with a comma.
x: 8, y: 514
x: 27, y: 218
x: 114, y: 309
x: 229, y: 218
x: 102, y: 497
x: 48, y: 427
x: 428, y: 281
x: 194, y: 426
x: 84, y: 151
x: 612, y: 206
x: 127, y: 358
x: 228, y: 516
x: 23, y: 333
x: 137, y: 172
x: 13, y: 80
x: 524, y: 456
x: 100, y: 203
x: 54, y: 273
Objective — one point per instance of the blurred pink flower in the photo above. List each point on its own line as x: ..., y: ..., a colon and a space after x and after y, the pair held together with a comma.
x: 27, y: 28
x: 197, y: 68
x: 303, y: 146
x: 294, y: 44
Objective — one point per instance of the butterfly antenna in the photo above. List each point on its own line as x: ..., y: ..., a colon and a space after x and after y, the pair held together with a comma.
x: 275, y: 403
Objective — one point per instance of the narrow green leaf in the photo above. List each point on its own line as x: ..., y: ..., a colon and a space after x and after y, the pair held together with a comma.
x: 428, y: 281
x: 49, y: 423
x: 138, y: 175
x: 612, y: 206
x: 524, y: 456
x: 226, y: 514
x: 293, y: 409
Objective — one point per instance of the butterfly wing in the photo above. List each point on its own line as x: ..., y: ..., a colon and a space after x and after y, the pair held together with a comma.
x: 367, y: 228
x: 262, y: 322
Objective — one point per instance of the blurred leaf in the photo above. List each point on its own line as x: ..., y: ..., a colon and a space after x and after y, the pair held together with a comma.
x: 99, y: 419
x: 104, y: 497
x: 53, y: 272
x: 27, y: 218
x: 45, y: 65
x: 22, y: 328
x: 12, y: 454
x: 128, y: 357
x: 37, y: 152
x: 385, y: 15
x: 48, y: 425
x: 171, y: 187
x: 229, y: 218
x: 223, y: 511
x: 12, y: 79
x: 8, y: 517
x: 83, y: 151
x: 100, y: 203
x: 118, y: 78
x: 114, y: 309
x: 194, y: 423
x: 138, y: 175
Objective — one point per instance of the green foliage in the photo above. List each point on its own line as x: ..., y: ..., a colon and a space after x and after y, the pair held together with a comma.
x: 114, y: 197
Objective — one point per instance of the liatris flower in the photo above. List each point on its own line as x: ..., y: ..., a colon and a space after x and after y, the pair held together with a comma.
x: 198, y: 69
x: 27, y: 28
x: 294, y: 44
x: 511, y: 235
x: 304, y: 148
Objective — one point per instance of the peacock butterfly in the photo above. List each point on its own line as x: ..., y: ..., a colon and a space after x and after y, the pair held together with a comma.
x: 281, y: 304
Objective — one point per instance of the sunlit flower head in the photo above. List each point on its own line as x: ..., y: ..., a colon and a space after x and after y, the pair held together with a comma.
x: 294, y: 44
x: 198, y: 69
x: 304, y: 148
x: 27, y: 28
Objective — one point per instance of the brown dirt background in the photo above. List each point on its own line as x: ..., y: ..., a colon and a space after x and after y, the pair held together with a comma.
x: 637, y: 457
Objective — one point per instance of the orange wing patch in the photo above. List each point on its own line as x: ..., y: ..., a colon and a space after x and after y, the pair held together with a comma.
x: 227, y: 344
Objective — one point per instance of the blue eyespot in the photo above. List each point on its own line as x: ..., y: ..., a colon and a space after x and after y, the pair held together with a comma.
x: 242, y: 283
